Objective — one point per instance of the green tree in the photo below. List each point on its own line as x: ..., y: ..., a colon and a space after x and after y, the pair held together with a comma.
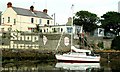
x: 116, y: 43
x: 111, y: 22
x: 87, y: 19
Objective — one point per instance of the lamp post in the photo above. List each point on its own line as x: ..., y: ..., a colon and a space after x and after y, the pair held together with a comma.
x: 53, y: 15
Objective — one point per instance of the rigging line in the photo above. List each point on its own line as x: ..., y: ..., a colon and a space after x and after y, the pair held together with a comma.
x: 59, y: 41
x: 87, y: 43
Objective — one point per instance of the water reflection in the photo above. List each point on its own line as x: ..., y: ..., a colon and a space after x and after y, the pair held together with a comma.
x: 33, y: 66
x: 77, y: 66
x: 103, y: 66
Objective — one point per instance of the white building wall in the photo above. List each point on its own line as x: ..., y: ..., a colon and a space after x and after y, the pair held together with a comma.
x: 4, y: 28
x: 23, y: 23
x: 60, y: 29
x: 9, y: 12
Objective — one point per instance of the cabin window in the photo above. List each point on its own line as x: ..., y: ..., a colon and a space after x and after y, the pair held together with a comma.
x: 32, y: 20
x: 48, y: 22
x: 8, y: 19
x: 87, y: 53
x: 14, y: 21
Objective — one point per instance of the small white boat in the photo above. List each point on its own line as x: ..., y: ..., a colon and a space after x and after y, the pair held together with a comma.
x: 77, y: 66
x: 78, y: 56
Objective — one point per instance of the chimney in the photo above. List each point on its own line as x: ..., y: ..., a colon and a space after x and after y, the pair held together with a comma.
x: 69, y: 21
x: 45, y: 10
x: 9, y: 4
x: 32, y: 8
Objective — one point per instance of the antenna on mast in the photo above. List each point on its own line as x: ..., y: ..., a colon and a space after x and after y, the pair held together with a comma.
x: 33, y: 3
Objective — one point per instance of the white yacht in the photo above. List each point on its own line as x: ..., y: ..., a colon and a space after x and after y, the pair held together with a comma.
x: 78, y: 55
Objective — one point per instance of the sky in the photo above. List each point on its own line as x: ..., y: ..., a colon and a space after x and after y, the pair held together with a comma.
x: 62, y: 8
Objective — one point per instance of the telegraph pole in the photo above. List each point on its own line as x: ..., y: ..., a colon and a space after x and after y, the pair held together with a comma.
x: 72, y: 26
x: 54, y: 18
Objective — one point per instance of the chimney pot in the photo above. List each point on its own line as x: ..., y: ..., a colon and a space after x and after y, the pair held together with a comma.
x: 45, y: 10
x: 32, y: 8
x: 9, y: 4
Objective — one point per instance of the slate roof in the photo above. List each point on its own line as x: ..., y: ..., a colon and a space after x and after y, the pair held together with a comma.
x: 27, y: 12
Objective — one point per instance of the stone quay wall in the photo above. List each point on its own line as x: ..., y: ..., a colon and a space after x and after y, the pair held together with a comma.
x: 39, y: 41
x: 48, y: 41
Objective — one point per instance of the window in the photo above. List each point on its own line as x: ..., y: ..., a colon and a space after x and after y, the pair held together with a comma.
x: 48, y: 22
x: 2, y: 29
x: 20, y: 38
x: 40, y: 21
x: 44, y: 30
x: 9, y: 29
x: 69, y: 29
x: 14, y: 21
x: 40, y: 30
x: 32, y: 20
x: 20, y: 46
x: 35, y: 38
x: 61, y: 29
x: 47, y: 29
x: 51, y: 22
x: 29, y: 28
x: 28, y: 38
x: 54, y: 30
x: 13, y: 46
x: 3, y: 20
x: 8, y: 19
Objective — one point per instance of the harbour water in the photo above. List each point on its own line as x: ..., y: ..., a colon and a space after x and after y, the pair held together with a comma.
x: 33, y: 61
x: 51, y: 66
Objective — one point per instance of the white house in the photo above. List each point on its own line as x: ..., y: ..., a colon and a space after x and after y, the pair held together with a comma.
x: 21, y: 19
x: 61, y: 28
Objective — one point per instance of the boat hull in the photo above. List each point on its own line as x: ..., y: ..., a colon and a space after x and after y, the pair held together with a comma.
x: 71, y: 59
x: 76, y: 61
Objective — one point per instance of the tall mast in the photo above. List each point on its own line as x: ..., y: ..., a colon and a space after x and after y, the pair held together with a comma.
x: 72, y: 26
